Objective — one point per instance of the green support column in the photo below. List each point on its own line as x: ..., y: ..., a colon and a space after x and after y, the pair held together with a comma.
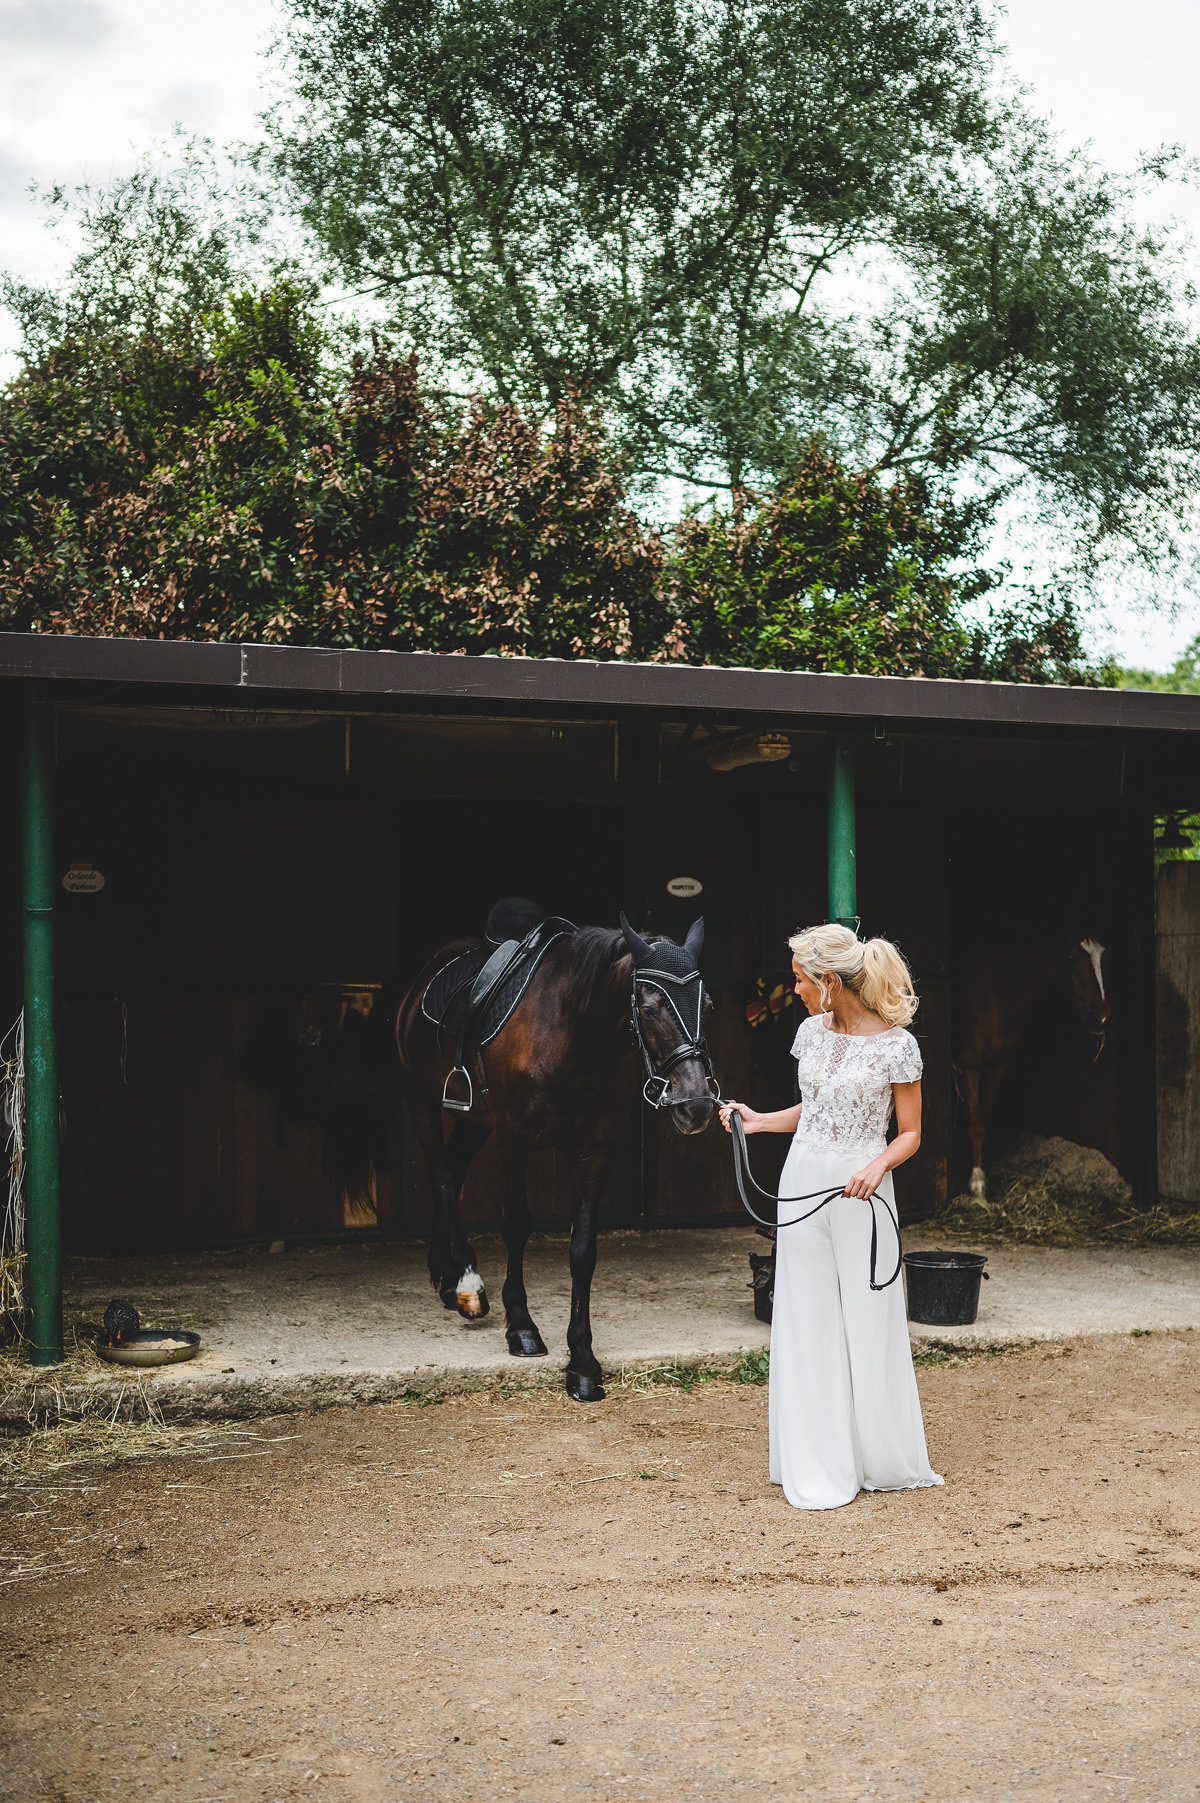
x: 41, y: 1048
x: 843, y: 888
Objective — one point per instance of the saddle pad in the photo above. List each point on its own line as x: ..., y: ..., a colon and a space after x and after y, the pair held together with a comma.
x: 445, y: 999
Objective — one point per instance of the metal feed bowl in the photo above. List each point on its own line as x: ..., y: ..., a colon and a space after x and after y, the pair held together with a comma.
x: 150, y: 1347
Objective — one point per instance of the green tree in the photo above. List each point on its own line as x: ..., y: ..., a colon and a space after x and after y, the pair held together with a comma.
x: 840, y: 571
x: 525, y: 545
x: 1183, y: 678
x: 688, y: 212
x: 216, y: 480
x: 157, y: 248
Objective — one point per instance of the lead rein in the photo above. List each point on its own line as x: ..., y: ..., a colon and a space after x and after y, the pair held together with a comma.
x: 744, y: 1175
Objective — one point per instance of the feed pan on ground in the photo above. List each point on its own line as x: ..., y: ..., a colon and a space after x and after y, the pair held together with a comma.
x: 151, y: 1347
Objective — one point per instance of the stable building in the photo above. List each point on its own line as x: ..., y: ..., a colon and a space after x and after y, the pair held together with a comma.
x: 229, y: 847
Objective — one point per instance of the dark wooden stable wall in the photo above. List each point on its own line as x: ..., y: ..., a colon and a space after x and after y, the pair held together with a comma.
x: 265, y: 872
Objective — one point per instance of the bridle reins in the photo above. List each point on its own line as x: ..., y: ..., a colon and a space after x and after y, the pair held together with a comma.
x: 678, y: 989
x: 742, y: 1172
x: 692, y: 1045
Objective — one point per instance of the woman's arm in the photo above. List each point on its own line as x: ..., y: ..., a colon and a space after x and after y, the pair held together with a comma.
x: 907, y: 1098
x: 784, y: 1120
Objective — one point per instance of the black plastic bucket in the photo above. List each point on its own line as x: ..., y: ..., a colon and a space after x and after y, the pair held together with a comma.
x: 943, y: 1287
x: 762, y: 1282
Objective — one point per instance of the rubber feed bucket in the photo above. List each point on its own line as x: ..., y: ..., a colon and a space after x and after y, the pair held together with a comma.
x: 943, y: 1287
x: 762, y: 1273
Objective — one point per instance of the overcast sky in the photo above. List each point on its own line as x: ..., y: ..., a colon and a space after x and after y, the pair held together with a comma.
x: 86, y: 84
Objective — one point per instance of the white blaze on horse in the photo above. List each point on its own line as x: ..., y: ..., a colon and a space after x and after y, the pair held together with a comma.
x: 1003, y: 987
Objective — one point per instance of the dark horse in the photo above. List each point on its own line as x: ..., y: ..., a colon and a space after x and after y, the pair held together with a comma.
x: 557, y: 1074
x: 1005, y: 982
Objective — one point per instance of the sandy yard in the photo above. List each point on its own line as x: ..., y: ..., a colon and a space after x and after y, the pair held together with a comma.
x: 516, y: 1596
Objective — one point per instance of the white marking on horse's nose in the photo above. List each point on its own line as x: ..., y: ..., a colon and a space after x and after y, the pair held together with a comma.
x: 1095, y: 952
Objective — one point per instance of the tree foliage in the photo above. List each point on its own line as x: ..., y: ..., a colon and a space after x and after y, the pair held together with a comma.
x: 840, y: 571
x: 155, y: 248
x: 220, y: 479
x: 1183, y: 678
x: 743, y: 225
x: 217, y: 482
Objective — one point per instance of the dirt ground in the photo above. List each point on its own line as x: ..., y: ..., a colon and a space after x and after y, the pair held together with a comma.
x: 516, y: 1596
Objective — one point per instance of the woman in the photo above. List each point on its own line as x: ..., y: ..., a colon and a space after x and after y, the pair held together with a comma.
x: 844, y: 1410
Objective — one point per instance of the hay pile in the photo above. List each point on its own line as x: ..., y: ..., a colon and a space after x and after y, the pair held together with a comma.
x: 1051, y: 1192
x: 81, y: 1411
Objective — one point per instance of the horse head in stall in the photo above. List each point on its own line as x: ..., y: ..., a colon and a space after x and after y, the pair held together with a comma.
x: 1083, y: 983
x: 1003, y: 986
x: 529, y: 1041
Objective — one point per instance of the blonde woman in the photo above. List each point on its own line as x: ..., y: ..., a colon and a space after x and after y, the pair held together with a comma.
x: 844, y: 1410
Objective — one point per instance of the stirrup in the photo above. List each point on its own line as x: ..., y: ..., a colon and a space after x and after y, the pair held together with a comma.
x: 448, y: 1101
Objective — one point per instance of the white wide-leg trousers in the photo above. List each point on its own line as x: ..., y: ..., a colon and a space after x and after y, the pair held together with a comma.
x: 844, y: 1411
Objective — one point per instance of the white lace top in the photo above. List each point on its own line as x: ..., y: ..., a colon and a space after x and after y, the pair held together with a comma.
x: 846, y: 1083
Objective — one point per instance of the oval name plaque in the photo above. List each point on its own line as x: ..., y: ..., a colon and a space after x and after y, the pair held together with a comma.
x: 684, y: 886
x: 83, y: 879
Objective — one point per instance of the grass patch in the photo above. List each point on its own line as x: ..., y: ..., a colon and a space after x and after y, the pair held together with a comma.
x: 673, y: 1376
x: 753, y: 1367
x: 935, y: 1354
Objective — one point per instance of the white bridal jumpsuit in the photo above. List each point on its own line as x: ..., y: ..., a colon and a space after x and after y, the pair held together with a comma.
x: 844, y: 1410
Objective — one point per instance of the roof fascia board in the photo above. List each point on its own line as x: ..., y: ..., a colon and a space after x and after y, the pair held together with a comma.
x: 666, y: 688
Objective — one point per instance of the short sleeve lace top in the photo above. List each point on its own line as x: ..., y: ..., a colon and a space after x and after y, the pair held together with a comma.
x: 846, y: 1083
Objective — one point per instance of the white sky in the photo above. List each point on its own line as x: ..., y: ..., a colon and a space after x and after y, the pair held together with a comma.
x: 86, y: 84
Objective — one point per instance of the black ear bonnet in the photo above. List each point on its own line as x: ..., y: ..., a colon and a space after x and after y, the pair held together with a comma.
x: 672, y: 971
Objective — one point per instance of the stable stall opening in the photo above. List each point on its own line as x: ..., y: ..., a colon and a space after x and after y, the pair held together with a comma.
x: 241, y: 881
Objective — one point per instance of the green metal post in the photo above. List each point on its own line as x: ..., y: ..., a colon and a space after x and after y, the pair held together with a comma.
x: 41, y: 1048
x: 843, y: 895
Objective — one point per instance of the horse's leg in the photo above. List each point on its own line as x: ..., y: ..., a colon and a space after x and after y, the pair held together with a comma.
x: 584, y: 1376
x: 976, y: 1126
x: 524, y: 1340
x: 451, y: 1258
x: 470, y: 1297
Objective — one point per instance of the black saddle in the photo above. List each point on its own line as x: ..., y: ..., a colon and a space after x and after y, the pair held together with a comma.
x: 474, y: 996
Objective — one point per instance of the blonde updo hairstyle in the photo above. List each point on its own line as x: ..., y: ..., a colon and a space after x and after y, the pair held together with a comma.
x: 871, y: 969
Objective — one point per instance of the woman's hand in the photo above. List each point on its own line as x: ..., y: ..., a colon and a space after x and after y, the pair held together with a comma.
x: 751, y: 1119
x: 864, y: 1183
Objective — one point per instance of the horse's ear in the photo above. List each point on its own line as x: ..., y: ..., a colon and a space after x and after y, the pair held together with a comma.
x: 694, y: 943
x: 635, y: 942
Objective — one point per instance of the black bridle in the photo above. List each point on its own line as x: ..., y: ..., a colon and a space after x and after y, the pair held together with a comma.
x: 680, y: 989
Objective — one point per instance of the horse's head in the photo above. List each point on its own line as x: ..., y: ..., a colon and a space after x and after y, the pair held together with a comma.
x: 1084, y: 978
x: 670, y: 1006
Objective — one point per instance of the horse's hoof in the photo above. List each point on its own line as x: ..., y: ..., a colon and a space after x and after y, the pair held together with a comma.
x: 471, y: 1297
x: 526, y: 1343
x: 584, y: 1389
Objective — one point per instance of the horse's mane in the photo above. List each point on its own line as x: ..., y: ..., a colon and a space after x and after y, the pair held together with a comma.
x: 596, y: 951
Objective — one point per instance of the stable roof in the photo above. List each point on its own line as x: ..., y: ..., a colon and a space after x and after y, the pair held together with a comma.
x: 366, y: 677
